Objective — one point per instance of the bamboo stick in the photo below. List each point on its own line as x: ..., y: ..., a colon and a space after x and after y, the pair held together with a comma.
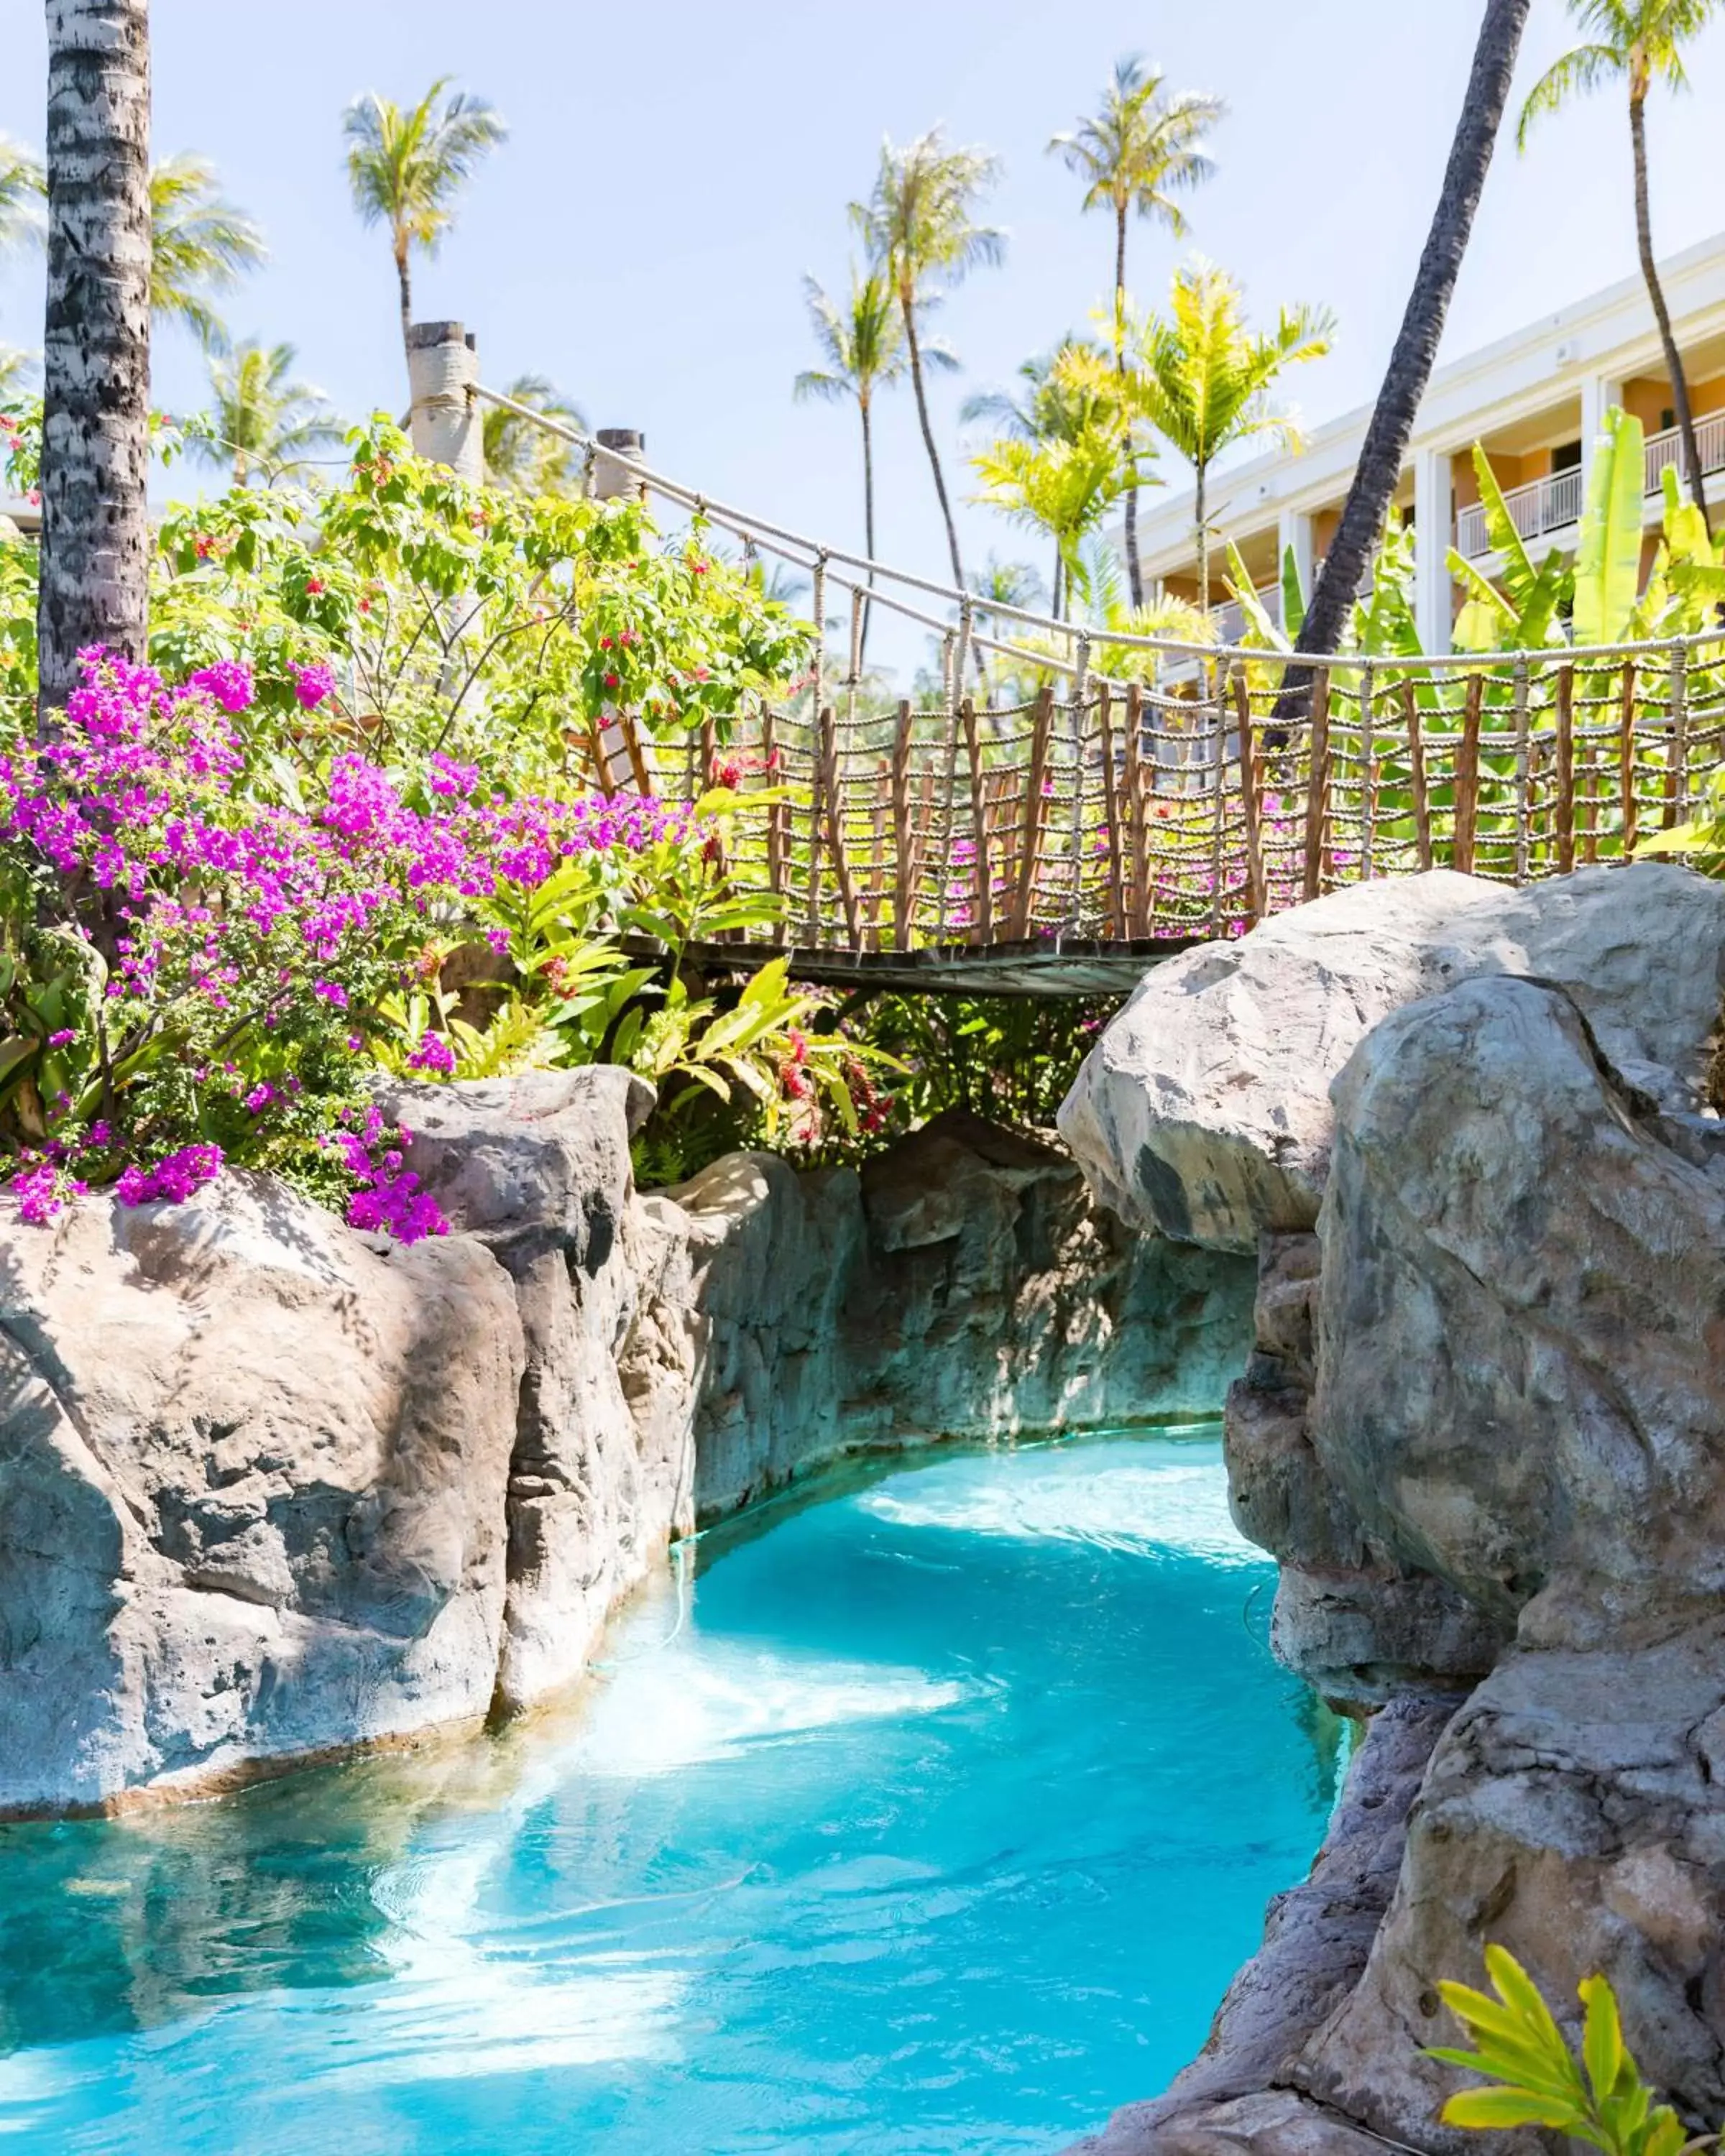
x: 1416, y: 774
x: 1318, y: 783
x: 1251, y: 801
x: 902, y: 895
x: 1564, y: 774
x: 1468, y: 777
x: 1626, y: 756
x: 1034, y: 816
x: 982, y: 917
x: 1138, y: 889
x: 834, y: 788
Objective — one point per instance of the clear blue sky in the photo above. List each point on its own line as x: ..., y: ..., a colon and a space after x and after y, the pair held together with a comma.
x: 674, y: 167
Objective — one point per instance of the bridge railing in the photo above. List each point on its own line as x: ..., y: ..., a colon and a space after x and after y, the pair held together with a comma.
x: 1130, y: 811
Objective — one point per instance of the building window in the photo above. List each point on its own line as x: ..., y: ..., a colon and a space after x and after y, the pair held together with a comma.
x: 1566, y: 457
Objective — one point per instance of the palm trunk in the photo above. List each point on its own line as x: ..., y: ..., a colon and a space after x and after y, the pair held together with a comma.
x: 96, y: 440
x: 1134, y: 574
x: 1661, y: 313
x: 868, y: 435
x: 1056, y: 589
x: 1410, y: 362
x: 1201, y: 532
x: 404, y: 280
x: 908, y: 308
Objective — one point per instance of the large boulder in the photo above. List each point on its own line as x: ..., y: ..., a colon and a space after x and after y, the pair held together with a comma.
x: 1204, y: 1111
x: 252, y: 1478
x: 537, y: 1168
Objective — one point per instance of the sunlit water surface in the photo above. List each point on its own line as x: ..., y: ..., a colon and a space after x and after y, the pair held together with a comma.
x: 931, y: 1817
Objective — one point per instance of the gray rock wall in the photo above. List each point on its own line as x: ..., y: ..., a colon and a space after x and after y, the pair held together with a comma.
x: 270, y: 1488
x: 1483, y: 1431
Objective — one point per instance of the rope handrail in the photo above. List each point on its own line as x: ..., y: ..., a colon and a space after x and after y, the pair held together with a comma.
x: 762, y: 529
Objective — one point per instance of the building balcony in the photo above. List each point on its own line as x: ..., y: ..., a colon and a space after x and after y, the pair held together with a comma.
x: 1549, y: 505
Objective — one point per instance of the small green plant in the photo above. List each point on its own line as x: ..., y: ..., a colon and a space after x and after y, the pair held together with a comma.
x: 1534, y: 2078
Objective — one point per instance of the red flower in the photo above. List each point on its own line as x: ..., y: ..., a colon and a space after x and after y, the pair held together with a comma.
x: 610, y: 680
x: 314, y: 587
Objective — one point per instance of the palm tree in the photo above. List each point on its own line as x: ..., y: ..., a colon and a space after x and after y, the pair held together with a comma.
x: 1063, y: 488
x: 21, y: 189
x: 862, y: 343
x: 1064, y: 405
x: 1143, y: 148
x: 920, y: 226
x: 93, y: 586
x: 1375, y: 477
x: 521, y: 455
x: 1202, y: 379
x: 1637, y: 41
x: 199, y: 244
x: 263, y: 420
x: 407, y: 164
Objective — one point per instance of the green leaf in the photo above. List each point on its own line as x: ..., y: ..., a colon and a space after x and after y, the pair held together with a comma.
x: 1602, y: 2037
x: 1608, y: 561
x: 1493, y: 2107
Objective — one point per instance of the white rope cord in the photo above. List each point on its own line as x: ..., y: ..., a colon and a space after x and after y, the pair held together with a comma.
x: 758, y: 528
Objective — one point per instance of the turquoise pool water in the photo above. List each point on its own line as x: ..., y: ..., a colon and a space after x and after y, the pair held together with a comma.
x: 931, y: 1817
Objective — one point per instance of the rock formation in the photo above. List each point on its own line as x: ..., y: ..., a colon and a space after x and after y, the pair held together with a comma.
x: 1483, y: 1428
x: 268, y: 1487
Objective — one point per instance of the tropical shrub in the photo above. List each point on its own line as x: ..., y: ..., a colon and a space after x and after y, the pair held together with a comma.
x: 1533, y: 2078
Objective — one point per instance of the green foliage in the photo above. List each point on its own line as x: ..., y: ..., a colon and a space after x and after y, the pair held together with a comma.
x: 475, y: 620
x: 1534, y: 2078
x: 1010, y: 1059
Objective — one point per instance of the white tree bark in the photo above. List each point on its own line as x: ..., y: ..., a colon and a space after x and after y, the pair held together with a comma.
x: 95, y: 529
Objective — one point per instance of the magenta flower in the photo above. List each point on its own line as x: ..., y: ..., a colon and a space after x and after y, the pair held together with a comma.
x: 312, y: 683
x: 432, y: 1055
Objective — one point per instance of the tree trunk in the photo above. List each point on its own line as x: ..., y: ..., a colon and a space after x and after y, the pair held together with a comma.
x: 1661, y: 313
x: 1134, y: 574
x: 1201, y: 532
x: 1056, y: 591
x: 868, y: 435
x: 404, y: 280
x: 907, y: 306
x: 1410, y: 362
x: 95, y: 395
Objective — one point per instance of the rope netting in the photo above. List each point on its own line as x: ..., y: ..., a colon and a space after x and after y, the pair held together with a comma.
x: 1186, y: 803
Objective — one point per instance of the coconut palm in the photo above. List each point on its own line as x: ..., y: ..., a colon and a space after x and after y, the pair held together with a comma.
x: 862, y: 343
x: 1142, y: 150
x: 1379, y: 471
x: 263, y: 421
x: 522, y: 455
x: 199, y: 244
x: 94, y: 582
x: 920, y: 226
x: 406, y: 165
x: 21, y: 189
x: 1203, y: 380
x: 1637, y: 42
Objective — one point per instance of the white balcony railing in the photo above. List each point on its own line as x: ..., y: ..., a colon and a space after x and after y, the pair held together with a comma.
x: 1229, y: 618
x: 1547, y: 505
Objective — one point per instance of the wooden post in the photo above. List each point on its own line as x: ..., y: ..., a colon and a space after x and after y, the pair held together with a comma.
x: 1563, y: 774
x: 1110, y: 811
x: 637, y: 754
x: 775, y: 813
x: 1677, y: 769
x: 1034, y: 817
x: 834, y: 788
x: 444, y: 418
x: 1416, y: 774
x: 1251, y: 800
x: 902, y: 894
x: 1218, y: 789
x: 1318, y: 783
x: 1523, y: 774
x: 1368, y: 772
x: 982, y: 921
x: 878, y: 817
x: 1138, y: 887
x: 1467, y: 777
x: 1626, y: 756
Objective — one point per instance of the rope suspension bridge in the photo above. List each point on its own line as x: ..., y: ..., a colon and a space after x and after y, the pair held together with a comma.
x: 1058, y: 845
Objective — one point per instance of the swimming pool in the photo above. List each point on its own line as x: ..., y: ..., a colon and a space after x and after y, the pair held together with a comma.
x: 931, y: 1816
